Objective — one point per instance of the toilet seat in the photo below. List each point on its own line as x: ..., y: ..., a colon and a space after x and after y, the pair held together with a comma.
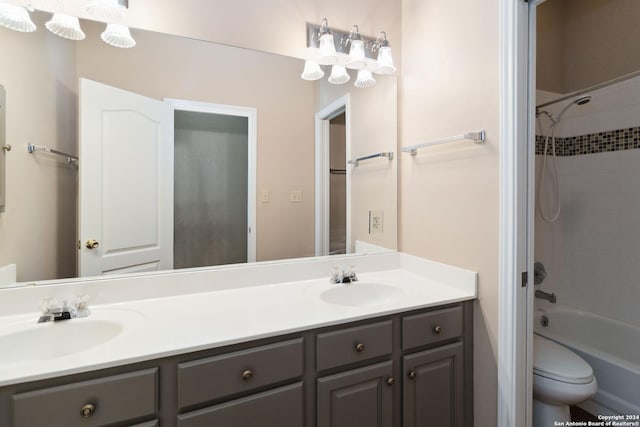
x: 553, y: 361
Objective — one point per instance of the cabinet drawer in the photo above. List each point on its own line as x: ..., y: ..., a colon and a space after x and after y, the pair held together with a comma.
x: 113, y: 399
x: 282, y: 407
x: 352, y: 345
x: 216, y: 377
x: 431, y: 328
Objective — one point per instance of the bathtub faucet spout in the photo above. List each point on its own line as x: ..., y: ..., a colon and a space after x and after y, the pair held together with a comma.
x: 551, y: 297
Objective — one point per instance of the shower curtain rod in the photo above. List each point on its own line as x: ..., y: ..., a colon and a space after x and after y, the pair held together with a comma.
x: 591, y: 89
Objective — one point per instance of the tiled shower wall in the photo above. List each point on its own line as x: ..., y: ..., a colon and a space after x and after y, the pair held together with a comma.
x: 592, y: 252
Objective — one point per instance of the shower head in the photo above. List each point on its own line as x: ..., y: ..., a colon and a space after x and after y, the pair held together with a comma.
x: 580, y: 101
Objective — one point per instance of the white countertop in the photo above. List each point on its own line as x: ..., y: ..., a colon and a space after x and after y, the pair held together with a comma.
x: 171, y: 323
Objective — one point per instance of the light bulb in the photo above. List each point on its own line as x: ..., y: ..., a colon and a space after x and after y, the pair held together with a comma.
x: 66, y: 26
x: 385, y: 61
x: 312, y: 71
x: 16, y: 18
x: 365, y: 79
x: 339, y: 75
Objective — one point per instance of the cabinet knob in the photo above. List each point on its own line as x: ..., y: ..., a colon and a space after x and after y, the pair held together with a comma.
x: 88, y: 410
x: 437, y: 329
x: 359, y: 347
x: 6, y: 148
x: 247, y: 374
x: 391, y: 381
x: 412, y: 374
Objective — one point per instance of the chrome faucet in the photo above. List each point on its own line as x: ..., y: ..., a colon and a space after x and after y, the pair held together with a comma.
x: 342, y: 276
x: 551, y: 297
x: 53, y: 311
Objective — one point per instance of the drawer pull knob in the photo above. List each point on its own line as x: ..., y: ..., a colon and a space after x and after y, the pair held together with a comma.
x: 247, y: 374
x: 391, y: 381
x: 359, y: 347
x: 87, y: 410
x: 412, y: 374
x: 437, y: 329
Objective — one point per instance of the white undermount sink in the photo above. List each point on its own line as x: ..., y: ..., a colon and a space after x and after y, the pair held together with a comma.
x: 361, y: 294
x: 32, y: 341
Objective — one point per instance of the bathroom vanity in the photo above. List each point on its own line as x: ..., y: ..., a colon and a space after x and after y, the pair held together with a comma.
x: 393, y: 349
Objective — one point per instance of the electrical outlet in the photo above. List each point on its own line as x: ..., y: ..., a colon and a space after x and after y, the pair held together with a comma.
x: 296, y: 196
x: 266, y: 196
x: 376, y: 221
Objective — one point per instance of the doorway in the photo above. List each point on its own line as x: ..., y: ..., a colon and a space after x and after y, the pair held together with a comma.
x: 214, y: 184
x: 333, y: 186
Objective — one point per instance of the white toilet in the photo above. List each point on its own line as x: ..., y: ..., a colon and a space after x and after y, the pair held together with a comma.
x: 560, y: 378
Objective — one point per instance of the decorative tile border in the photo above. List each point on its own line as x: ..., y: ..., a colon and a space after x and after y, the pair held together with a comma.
x: 602, y: 142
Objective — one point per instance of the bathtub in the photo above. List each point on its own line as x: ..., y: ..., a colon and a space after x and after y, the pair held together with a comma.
x: 612, y: 348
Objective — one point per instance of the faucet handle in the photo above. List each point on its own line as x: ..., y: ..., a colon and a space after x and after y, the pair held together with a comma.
x: 50, y: 305
x: 352, y: 273
x: 82, y: 305
x: 336, y: 275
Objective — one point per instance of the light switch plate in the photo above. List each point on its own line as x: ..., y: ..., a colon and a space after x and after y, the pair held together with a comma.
x: 296, y: 196
x: 266, y: 196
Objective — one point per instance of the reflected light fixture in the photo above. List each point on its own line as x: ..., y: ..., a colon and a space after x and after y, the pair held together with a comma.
x: 16, y: 18
x: 327, y: 51
x: 312, y: 71
x: 339, y: 75
x: 65, y: 26
x: 385, y: 60
x: 106, y: 10
x: 365, y: 79
x: 118, y: 35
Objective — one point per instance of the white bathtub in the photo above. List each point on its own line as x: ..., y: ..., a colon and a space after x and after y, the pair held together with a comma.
x: 612, y: 348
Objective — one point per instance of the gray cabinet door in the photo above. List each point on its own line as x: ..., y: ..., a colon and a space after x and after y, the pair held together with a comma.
x: 357, y: 398
x: 433, y: 388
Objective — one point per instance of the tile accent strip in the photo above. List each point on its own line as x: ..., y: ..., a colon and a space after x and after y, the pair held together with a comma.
x: 602, y: 142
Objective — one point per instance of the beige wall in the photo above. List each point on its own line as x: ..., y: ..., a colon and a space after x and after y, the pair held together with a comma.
x: 449, y: 194
x: 37, y: 230
x: 587, y: 41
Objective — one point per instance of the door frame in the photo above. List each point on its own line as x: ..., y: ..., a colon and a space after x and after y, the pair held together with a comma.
x: 517, y: 97
x: 251, y: 113
x: 323, y: 186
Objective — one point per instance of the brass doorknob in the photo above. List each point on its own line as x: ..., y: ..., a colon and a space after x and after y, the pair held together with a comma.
x: 247, y: 374
x: 359, y: 347
x: 412, y: 374
x: 92, y: 244
x: 391, y: 381
x: 6, y: 147
x: 88, y: 410
x: 437, y: 329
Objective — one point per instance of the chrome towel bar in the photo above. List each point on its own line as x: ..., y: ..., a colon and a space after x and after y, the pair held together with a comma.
x: 357, y: 161
x: 476, y: 137
x: 32, y: 148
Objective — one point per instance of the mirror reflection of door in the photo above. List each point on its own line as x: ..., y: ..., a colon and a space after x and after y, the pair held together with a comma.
x: 210, y: 189
x: 191, y: 201
x: 337, y: 185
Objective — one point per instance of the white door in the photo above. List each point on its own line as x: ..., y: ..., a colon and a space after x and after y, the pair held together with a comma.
x: 126, y: 183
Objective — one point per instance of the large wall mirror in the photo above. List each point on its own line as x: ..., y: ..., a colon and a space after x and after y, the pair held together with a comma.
x: 190, y: 154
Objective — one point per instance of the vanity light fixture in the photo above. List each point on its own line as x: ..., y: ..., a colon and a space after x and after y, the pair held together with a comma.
x: 346, y: 50
x: 65, y: 26
x: 113, y: 12
x: 327, y: 48
x: 15, y: 17
x: 118, y: 35
x: 385, y: 60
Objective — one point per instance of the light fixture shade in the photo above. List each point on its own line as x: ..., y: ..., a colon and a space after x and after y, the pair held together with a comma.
x: 339, y: 75
x: 312, y: 71
x: 118, y: 35
x: 356, y: 55
x: 66, y: 26
x: 365, y: 79
x: 105, y: 10
x: 327, y: 53
x: 385, y: 61
x: 16, y: 18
